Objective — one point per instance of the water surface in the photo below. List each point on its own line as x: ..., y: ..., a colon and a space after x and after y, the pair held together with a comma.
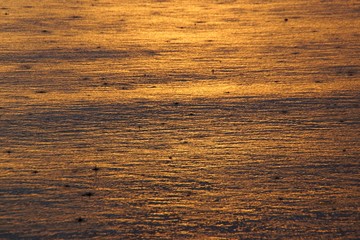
x: 176, y: 119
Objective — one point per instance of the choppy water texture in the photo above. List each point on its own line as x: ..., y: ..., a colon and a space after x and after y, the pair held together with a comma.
x: 170, y: 119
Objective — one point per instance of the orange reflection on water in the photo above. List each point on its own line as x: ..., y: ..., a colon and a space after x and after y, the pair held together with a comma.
x: 179, y: 119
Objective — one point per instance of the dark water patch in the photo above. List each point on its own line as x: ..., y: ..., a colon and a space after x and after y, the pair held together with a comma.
x: 347, y: 70
x: 10, y: 235
x: 76, y: 55
x: 25, y: 67
x: 40, y: 91
x: 225, y: 1
x: 75, y: 17
x: 88, y: 194
x: 23, y: 191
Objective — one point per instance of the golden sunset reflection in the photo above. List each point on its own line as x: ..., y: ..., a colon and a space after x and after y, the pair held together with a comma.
x: 172, y: 119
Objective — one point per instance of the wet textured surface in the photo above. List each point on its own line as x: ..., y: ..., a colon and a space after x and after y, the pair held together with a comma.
x: 179, y: 119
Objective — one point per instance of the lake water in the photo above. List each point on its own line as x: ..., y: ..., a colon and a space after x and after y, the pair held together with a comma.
x: 171, y: 119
